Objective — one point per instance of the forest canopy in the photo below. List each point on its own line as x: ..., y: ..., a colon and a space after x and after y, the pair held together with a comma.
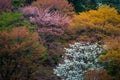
x: 59, y: 39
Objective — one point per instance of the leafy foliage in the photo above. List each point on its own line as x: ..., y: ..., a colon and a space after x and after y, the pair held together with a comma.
x: 111, y: 59
x: 9, y: 20
x: 55, y: 5
x: 99, y: 74
x: 50, y: 24
x: 99, y: 23
x: 17, y: 3
x: 19, y: 50
x: 111, y: 62
x: 83, y: 5
x: 113, y: 3
x: 109, y: 43
x: 21, y: 3
x: 78, y: 59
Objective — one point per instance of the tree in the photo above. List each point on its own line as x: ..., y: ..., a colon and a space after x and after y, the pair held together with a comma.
x: 50, y: 24
x: 21, y: 3
x: 29, y: 1
x: 11, y: 19
x: 99, y: 74
x: 113, y: 3
x: 111, y: 59
x: 109, y: 43
x: 78, y: 59
x: 55, y: 5
x: 83, y: 5
x: 100, y: 24
x: 17, y: 3
x: 19, y: 54
x: 5, y: 5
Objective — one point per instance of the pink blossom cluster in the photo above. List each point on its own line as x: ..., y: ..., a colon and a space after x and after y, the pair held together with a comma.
x: 45, y: 17
x: 5, y: 5
x: 49, y: 23
x: 29, y: 10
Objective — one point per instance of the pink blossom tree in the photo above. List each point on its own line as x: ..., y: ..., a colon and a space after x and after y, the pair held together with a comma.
x: 50, y: 24
x: 5, y: 5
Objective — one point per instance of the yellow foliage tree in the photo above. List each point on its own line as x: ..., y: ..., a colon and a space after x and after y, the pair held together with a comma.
x: 100, y: 23
x: 111, y: 61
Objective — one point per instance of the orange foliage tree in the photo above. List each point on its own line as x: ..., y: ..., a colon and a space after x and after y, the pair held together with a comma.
x: 59, y: 5
x: 99, y: 74
x: 109, y: 43
x: 97, y: 24
x: 19, y: 50
x: 111, y: 59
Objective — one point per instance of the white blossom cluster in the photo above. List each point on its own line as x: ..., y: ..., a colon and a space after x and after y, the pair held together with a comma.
x: 78, y: 59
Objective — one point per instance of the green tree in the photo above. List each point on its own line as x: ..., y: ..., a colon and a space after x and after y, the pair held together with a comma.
x: 11, y: 19
x: 83, y: 5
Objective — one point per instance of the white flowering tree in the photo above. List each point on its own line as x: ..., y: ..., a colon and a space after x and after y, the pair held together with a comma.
x: 78, y: 59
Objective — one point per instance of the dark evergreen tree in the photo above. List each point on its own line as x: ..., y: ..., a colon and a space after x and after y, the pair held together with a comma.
x: 113, y: 3
x: 83, y: 5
